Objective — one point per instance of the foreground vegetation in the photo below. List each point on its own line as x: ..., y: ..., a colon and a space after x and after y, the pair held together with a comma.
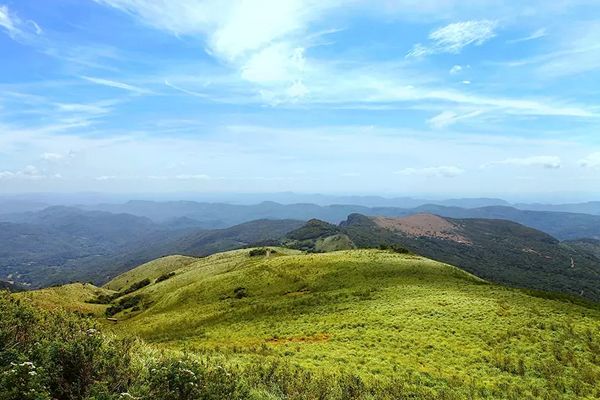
x: 360, y: 324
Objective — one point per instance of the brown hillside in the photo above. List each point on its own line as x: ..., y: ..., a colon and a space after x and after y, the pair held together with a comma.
x: 424, y: 225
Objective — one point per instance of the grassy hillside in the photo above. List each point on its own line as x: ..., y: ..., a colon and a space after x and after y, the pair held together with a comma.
x: 71, y: 297
x: 151, y: 270
x: 381, y: 315
x: 497, y: 250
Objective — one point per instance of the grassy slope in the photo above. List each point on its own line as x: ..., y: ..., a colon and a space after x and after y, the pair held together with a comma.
x: 150, y: 270
x: 379, y: 314
x: 71, y: 297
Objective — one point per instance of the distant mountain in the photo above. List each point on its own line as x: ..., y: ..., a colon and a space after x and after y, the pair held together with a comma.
x: 61, y: 244
x: 561, y: 225
x: 496, y: 250
x: 14, y: 205
x: 221, y: 215
x: 590, y: 207
x: 64, y: 244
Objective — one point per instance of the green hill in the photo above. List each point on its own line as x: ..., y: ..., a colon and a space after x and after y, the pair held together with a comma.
x: 499, y: 251
x: 379, y: 314
x: 151, y: 270
x: 72, y: 297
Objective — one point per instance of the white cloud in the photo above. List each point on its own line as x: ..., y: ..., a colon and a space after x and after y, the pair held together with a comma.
x: 576, y: 51
x: 591, y: 161
x: 264, y: 40
x: 549, y: 162
x: 106, y: 178
x: 116, y: 84
x: 456, y: 69
x: 52, y: 157
x: 275, y: 63
x: 540, y: 33
x: 454, y: 37
x: 234, y: 27
x: 82, y: 108
x: 16, y: 28
x: 447, y: 118
x: 200, y: 177
x: 438, y: 172
x: 30, y: 172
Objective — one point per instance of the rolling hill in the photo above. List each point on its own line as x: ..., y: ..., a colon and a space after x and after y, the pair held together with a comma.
x: 73, y: 297
x: 496, y: 250
x: 384, y: 316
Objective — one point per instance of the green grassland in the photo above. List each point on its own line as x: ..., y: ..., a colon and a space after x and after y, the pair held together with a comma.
x: 74, y: 297
x: 150, y: 270
x: 376, y: 314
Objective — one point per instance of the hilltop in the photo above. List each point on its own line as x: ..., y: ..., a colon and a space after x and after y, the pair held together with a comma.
x: 496, y: 250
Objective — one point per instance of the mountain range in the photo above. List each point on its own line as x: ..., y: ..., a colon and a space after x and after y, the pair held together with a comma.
x: 533, y: 249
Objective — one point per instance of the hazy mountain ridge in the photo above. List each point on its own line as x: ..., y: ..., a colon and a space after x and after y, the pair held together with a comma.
x: 562, y: 225
x: 62, y: 244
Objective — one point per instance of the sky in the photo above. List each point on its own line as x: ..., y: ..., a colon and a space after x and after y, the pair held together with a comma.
x: 440, y: 97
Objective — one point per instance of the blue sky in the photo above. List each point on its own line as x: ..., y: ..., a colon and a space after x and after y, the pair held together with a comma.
x: 440, y: 97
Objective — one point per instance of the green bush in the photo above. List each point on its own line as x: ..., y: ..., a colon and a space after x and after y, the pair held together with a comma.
x: 258, y: 252
x: 22, y: 381
x: 58, y: 355
x: 136, y: 286
x: 187, y: 379
x: 124, y: 304
x: 164, y: 277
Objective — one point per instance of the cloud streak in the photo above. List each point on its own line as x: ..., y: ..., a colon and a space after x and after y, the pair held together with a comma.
x: 548, y: 162
x: 16, y: 28
x: 436, y: 172
x: 454, y: 37
x: 116, y: 85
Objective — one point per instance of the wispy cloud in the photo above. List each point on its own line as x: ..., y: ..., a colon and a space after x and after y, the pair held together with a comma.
x: 447, y: 118
x: 540, y: 33
x: 454, y: 37
x: 186, y: 91
x: 30, y: 172
x: 591, y: 161
x: 116, y: 84
x: 52, y: 157
x: 456, y: 69
x: 438, y: 172
x: 15, y: 27
x: 548, y: 162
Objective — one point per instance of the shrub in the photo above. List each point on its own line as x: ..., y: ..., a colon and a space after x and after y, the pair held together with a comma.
x: 58, y: 355
x: 124, y: 304
x: 187, y: 379
x: 22, y: 381
x: 240, y: 292
x: 395, y: 248
x: 136, y: 286
x: 258, y: 252
x: 164, y: 277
